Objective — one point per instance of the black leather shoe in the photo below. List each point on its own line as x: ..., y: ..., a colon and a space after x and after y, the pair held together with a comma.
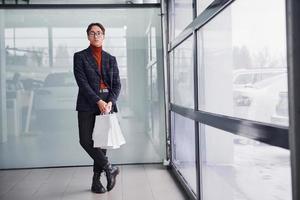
x: 97, y: 187
x: 111, y: 174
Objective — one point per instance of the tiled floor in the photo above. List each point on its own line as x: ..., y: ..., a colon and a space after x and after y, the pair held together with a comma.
x: 135, y: 182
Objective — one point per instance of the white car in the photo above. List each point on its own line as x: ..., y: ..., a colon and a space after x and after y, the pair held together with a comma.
x: 244, y: 83
x: 247, y: 77
x: 281, y: 114
x: 265, y: 98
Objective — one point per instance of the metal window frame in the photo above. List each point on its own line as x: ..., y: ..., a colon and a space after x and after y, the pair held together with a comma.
x: 293, y: 59
x: 267, y: 133
x: 187, y: 189
x: 208, y: 14
x: 196, y: 107
x: 165, y: 39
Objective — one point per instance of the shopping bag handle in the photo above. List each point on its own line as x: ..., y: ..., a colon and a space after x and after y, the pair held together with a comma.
x: 111, y: 112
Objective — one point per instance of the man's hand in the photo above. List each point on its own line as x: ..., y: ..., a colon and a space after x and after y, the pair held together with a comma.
x: 108, y: 107
x: 102, y: 106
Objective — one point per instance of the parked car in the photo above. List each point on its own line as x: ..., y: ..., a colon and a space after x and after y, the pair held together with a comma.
x: 246, y: 83
x: 247, y: 77
x: 54, y: 103
x: 32, y: 84
x: 269, y: 98
x: 281, y: 114
x: 58, y: 93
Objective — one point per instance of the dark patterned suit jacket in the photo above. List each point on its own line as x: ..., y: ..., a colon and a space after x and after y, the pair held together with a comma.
x: 87, y: 77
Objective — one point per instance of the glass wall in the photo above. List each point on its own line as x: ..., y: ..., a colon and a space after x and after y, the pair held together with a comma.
x: 241, y: 88
x: 39, y: 102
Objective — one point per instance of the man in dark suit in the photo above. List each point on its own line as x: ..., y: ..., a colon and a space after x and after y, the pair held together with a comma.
x: 97, y: 75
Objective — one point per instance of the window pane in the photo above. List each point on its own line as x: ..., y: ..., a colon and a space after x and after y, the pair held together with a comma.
x: 183, y: 148
x: 243, y: 67
x: 182, y: 74
x: 180, y: 15
x: 241, y: 168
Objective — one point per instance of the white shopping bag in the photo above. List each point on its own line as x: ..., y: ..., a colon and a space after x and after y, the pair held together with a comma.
x: 107, y: 133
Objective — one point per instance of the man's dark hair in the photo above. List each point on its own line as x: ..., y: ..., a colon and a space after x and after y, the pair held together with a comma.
x: 95, y: 24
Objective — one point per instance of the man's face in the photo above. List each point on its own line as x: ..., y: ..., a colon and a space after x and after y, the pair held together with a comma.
x: 95, y: 36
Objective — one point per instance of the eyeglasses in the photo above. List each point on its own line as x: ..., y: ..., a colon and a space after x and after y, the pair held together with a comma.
x: 94, y: 34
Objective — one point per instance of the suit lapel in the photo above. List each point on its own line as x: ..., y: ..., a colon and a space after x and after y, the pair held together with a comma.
x: 106, y: 68
x: 105, y: 63
x: 91, y: 60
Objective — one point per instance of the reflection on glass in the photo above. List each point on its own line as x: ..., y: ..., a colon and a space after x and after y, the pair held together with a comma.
x: 242, y: 65
x: 154, y: 83
x: 182, y: 75
x: 155, y: 112
x: 241, y: 168
x: 41, y: 89
x: 149, y: 103
x: 153, y: 43
x: 26, y: 46
x: 155, y: 95
x: 183, y: 148
x: 180, y: 15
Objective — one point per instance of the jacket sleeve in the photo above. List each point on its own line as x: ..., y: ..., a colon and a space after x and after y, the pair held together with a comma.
x: 82, y: 80
x: 115, y: 81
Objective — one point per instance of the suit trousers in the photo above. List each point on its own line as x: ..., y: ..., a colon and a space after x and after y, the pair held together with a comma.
x: 86, y: 123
